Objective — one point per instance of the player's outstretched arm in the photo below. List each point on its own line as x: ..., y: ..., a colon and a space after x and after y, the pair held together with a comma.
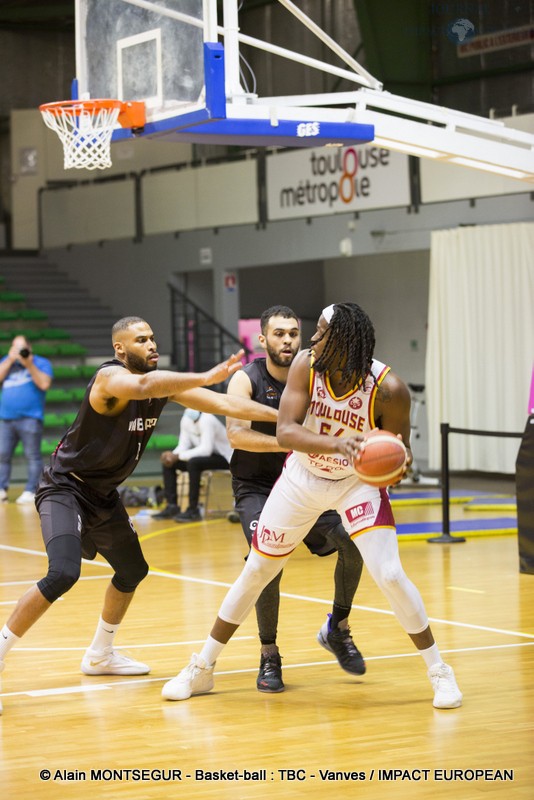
x: 224, y: 405
x: 115, y: 386
x: 239, y: 431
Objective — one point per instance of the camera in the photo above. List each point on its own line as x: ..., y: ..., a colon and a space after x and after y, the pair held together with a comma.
x: 25, y: 352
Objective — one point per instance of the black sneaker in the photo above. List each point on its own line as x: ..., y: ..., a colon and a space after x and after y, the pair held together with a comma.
x: 190, y: 515
x: 339, y: 642
x: 270, y: 675
x: 167, y: 513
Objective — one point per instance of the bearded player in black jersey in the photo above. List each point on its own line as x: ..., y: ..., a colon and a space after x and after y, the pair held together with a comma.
x: 79, y: 506
x: 256, y: 464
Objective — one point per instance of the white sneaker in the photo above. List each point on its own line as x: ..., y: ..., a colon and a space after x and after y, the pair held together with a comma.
x: 25, y: 498
x: 3, y: 496
x: 196, y: 678
x: 446, y: 691
x: 111, y: 663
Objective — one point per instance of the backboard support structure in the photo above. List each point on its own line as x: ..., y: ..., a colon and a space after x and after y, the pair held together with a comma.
x: 175, y: 57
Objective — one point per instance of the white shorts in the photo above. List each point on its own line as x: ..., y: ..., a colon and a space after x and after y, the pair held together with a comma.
x: 299, y: 497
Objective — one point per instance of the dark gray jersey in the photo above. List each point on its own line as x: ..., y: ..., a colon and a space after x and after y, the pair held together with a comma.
x: 260, y: 468
x: 103, y: 451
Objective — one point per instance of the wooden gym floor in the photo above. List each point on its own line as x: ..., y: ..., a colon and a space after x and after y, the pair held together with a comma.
x: 329, y: 735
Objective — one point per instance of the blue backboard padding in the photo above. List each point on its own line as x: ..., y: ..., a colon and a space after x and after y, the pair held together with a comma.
x: 259, y: 132
x: 214, y: 79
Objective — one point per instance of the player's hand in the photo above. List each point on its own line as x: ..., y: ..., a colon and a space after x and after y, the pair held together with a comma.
x: 350, y: 447
x: 225, y: 369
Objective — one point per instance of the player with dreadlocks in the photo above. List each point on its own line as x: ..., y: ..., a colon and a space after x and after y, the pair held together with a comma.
x: 335, y: 392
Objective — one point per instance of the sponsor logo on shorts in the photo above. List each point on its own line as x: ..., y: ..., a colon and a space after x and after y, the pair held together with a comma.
x: 271, y: 538
x: 362, y: 511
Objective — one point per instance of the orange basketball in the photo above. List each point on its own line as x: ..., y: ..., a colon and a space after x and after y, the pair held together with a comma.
x: 381, y: 459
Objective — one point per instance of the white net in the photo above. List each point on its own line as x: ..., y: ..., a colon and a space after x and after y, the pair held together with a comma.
x: 85, y: 130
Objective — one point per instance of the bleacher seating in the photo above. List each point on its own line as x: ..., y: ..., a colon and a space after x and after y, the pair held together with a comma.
x: 71, y: 374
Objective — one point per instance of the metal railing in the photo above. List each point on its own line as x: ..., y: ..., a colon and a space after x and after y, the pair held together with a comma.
x: 198, y: 340
x: 446, y: 430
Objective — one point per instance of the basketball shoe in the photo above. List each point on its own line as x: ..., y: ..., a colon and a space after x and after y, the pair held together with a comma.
x: 270, y: 675
x: 446, y: 691
x: 111, y: 662
x: 339, y: 642
x: 196, y: 678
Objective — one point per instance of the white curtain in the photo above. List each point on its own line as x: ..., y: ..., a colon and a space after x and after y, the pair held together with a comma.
x: 480, y: 346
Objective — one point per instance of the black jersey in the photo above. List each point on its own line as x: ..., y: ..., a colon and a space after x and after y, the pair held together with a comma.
x: 103, y: 451
x: 260, y: 468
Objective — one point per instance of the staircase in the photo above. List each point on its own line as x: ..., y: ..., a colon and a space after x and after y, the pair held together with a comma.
x: 66, y: 304
x: 68, y: 326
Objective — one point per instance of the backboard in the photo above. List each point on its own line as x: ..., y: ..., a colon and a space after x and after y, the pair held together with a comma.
x: 167, y: 53
x: 127, y: 51
x: 183, y: 62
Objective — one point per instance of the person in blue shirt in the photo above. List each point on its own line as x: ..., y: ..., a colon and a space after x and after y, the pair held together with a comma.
x: 25, y: 378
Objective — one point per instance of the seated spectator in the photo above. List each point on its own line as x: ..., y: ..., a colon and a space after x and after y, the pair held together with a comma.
x: 202, y: 445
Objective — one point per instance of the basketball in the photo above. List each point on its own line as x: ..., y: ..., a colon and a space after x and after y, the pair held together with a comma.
x: 381, y: 459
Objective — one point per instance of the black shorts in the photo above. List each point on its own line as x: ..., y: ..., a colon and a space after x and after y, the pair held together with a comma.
x: 249, y: 502
x: 68, y: 507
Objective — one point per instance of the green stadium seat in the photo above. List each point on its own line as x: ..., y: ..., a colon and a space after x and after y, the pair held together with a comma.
x: 47, y: 350
x: 12, y: 297
x: 8, y: 316
x: 54, y: 333
x: 86, y: 370
x: 71, y: 349
x: 66, y: 371
x: 29, y: 333
x: 58, y: 395
x: 32, y: 313
x: 77, y: 395
x: 48, y: 447
x: 52, y: 420
x: 163, y: 441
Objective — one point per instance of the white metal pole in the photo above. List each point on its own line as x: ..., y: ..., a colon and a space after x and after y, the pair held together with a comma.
x: 231, y: 48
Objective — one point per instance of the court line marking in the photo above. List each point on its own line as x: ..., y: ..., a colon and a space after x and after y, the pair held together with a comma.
x: 289, y: 596
x: 121, y: 646
x: 464, y: 589
x: 136, y: 681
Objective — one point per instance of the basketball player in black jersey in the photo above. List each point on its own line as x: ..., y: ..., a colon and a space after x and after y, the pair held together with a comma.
x: 256, y: 464
x: 77, y: 499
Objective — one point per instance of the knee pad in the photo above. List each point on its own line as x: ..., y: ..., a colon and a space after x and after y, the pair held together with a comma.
x: 62, y: 575
x: 130, y: 577
x: 391, y: 577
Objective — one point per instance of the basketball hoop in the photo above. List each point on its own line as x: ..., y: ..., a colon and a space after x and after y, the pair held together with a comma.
x: 85, y: 128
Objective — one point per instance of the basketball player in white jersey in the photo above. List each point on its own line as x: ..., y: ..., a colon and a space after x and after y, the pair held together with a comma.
x: 335, y: 393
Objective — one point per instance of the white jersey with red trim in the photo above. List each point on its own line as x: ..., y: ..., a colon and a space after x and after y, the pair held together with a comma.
x: 344, y: 416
